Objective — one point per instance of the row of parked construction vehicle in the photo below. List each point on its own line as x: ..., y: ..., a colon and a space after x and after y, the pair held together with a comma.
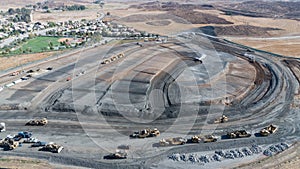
x: 12, y: 142
x: 112, y: 59
x: 146, y: 133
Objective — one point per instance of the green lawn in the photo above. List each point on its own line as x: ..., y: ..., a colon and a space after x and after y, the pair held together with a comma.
x: 38, y: 44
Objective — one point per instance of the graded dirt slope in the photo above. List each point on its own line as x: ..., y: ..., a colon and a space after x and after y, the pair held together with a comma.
x: 285, y: 47
x: 289, y: 159
x: 22, y: 163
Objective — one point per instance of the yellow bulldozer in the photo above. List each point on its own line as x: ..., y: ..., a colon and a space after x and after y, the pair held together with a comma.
x: 205, y: 139
x: 268, y: 130
x: 145, y: 133
x: 238, y: 134
x: 37, y: 122
x: 9, y: 144
x: 222, y: 119
x: 172, y: 141
x: 52, y: 147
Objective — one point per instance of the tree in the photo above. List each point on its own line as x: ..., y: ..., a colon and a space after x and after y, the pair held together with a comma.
x: 18, y: 10
x: 45, y: 7
x: 11, y: 11
x: 27, y: 18
x: 7, y: 50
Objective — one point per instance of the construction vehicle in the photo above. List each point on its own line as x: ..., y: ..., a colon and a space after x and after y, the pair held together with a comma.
x: 17, y: 138
x: 106, y: 61
x: 15, y: 73
x: 52, y: 147
x: 268, y: 130
x: 221, y: 119
x: 238, y: 134
x: 24, y: 134
x: 209, y: 138
x: 120, y: 55
x: 2, y: 127
x: 31, y: 140
x: 37, y: 122
x: 145, y: 133
x: 39, y: 144
x: 173, y: 141
x: 116, y: 155
x: 124, y: 147
x: 205, y: 139
x: 8, y: 144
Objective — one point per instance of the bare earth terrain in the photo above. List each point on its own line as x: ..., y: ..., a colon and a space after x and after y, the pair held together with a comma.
x: 14, y: 61
x: 179, y: 86
x: 285, y: 27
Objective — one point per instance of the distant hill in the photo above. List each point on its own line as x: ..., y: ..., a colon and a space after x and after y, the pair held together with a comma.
x: 273, y: 9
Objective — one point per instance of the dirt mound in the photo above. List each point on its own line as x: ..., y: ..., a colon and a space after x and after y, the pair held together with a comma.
x: 170, y: 6
x: 237, y: 30
x: 149, y: 18
x: 199, y: 17
x: 178, y: 16
x: 159, y: 23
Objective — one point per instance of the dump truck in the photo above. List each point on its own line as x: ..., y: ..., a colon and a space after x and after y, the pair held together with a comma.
x: 238, y: 134
x: 221, y: 119
x: 268, y: 130
x: 2, y: 127
x: 172, y: 141
x: 116, y: 155
x: 145, y: 133
x: 204, y: 139
x: 37, y: 122
x: 9, y: 144
x: 52, y: 147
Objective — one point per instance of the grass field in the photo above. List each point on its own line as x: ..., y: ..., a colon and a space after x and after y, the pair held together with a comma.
x: 38, y: 44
